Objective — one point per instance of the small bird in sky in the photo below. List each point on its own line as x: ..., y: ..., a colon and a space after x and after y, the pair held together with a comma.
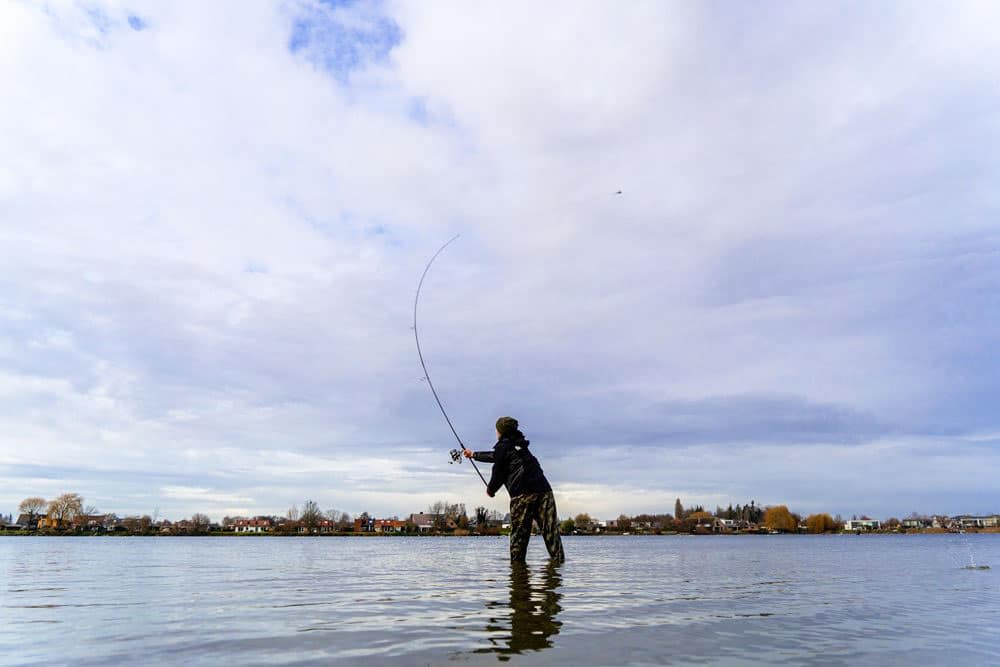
x: 619, y: 192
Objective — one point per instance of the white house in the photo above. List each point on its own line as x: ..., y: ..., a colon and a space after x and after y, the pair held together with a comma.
x: 862, y: 524
x: 966, y: 521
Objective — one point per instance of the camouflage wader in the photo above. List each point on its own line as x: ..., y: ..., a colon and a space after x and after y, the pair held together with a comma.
x: 540, y: 507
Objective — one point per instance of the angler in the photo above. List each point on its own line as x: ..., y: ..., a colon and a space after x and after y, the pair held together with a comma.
x: 514, y: 466
x: 531, y: 499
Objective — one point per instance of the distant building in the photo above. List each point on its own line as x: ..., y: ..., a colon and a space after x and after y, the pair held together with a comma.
x: 92, y: 522
x: 257, y: 525
x: 323, y: 526
x: 424, y: 522
x: 388, y: 526
x: 968, y: 521
x: 916, y: 522
x: 862, y: 524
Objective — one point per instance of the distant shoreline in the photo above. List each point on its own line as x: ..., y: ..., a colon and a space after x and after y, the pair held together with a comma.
x: 993, y: 531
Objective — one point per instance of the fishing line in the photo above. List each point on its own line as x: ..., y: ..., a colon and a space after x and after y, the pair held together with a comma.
x: 456, y: 455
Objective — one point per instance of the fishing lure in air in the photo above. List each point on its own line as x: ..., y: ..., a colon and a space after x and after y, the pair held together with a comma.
x: 456, y: 454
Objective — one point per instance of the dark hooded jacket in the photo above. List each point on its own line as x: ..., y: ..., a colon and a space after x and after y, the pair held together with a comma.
x: 514, y: 467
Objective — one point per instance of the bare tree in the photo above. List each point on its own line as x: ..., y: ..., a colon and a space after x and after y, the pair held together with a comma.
x: 32, y: 507
x: 311, y: 515
x: 293, y: 513
x: 341, y: 520
x: 448, y: 515
x: 200, y: 523
x: 65, y: 508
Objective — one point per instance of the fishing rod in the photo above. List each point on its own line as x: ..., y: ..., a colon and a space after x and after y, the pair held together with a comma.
x: 456, y: 454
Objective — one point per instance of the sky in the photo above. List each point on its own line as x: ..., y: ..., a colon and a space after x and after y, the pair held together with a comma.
x: 213, y: 218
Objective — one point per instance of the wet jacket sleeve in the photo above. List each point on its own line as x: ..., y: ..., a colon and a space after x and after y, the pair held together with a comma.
x: 500, y: 464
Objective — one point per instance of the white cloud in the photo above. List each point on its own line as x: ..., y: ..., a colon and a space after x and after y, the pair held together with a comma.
x: 202, y: 495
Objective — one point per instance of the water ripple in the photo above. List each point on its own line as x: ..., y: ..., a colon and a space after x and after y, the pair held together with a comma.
x: 632, y: 600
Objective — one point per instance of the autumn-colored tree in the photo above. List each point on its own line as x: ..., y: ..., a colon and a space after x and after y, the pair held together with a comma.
x: 820, y: 523
x: 700, y: 517
x: 779, y: 518
x: 32, y: 507
x: 65, y: 508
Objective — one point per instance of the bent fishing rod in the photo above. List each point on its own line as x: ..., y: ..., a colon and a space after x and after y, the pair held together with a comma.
x: 456, y: 454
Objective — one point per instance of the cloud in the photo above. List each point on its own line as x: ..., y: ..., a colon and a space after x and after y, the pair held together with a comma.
x: 204, y: 496
x: 212, y: 224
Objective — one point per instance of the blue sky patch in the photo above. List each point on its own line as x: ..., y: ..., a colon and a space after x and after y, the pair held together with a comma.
x: 136, y: 23
x: 341, y: 40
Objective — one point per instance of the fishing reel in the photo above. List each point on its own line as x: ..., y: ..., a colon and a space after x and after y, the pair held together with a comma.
x: 456, y: 456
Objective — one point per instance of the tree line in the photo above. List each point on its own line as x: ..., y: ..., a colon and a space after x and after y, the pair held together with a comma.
x: 68, y: 512
x: 695, y: 519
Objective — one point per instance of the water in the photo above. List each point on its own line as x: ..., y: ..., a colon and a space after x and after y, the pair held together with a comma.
x: 631, y: 600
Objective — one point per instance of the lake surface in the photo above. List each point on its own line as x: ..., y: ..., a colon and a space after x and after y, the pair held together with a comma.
x: 617, y: 600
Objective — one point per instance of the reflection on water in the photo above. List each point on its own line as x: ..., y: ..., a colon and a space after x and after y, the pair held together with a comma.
x: 533, y: 608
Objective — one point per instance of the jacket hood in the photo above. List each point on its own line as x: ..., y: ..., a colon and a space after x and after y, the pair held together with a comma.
x: 516, y: 438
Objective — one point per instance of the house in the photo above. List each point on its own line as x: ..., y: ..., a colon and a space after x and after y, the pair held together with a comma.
x: 859, y: 525
x: 423, y: 522
x: 28, y: 521
x: 323, y: 526
x: 261, y: 524
x: 968, y: 521
x: 93, y: 522
x: 388, y: 526
x: 916, y: 523
x: 8, y: 525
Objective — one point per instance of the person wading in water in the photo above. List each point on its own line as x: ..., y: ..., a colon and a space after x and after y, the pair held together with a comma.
x: 531, y: 496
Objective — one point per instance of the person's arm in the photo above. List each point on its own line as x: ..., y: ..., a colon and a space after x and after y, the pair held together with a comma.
x: 482, y: 457
x: 499, y: 475
x: 485, y: 457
